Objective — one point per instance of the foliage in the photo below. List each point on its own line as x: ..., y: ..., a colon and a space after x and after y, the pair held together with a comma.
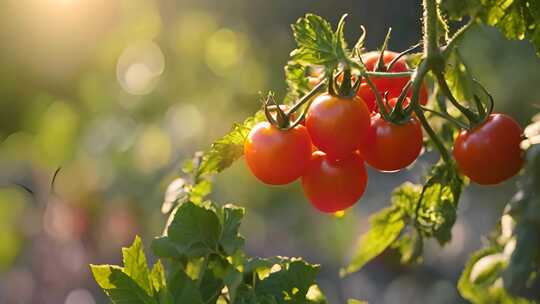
x: 516, y: 19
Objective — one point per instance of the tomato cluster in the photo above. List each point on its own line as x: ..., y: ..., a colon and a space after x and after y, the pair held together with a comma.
x: 341, y: 133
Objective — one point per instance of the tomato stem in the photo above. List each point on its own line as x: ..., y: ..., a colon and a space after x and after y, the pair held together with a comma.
x: 448, y: 117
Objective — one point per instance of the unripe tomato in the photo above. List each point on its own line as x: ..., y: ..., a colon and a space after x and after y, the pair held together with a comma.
x: 490, y: 153
x: 391, y: 147
x: 277, y: 157
x: 336, y: 125
x: 334, y: 185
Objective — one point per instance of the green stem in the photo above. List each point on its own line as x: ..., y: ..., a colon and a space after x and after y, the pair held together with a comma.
x: 389, y: 74
x: 432, y: 135
x: 307, y: 97
x: 472, y: 117
x: 451, y: 44
x: 451, y: 119
x: 431, y: 45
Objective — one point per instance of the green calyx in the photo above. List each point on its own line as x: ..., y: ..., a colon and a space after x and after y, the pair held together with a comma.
x: 282, y: 118
x: 347, y: 87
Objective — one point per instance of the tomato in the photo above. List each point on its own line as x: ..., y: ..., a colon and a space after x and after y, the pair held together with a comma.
x: 392, y: 85
x: 277, y: 157
x: 367, y: 95
x: 490, y: 153
x: 391, y: 147
x: 334, y: 185
x: 336, y: 125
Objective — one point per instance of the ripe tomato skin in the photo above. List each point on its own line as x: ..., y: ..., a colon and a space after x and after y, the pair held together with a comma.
x: 334, y: 185
x: 490, y: 153
x: 391, y: 147
x: 336, y: 125
x: 277, y: 157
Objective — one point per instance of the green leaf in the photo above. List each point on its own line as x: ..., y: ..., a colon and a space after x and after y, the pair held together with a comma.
x: 386, y: 226
x: 135, y: 265
x: 231, y: 218
x: 119, y: 286
x: 516, y: 19
x: 459, y: 78
x: 229, y: 148
x: 316, y: 41
x: 483, y: 287
x: 195, y: 230
x: 183, y: 289
x: 296, y: 77
x: 157, y: 277
x: 438, y: 202
x: 292, y: 281
x: 163, y: 247
x: 410, y: 246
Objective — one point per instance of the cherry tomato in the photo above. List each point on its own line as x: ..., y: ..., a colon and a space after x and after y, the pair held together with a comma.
x: 277, y: 157
x: 391, y: 147
x: 334, y: 185
x: 490, y: 153
x: 336, y: 125
x: 392, y: 85
x: 367, y: 95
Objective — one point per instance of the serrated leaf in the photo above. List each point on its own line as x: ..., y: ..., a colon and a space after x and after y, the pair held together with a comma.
x: 229, y: 148
x: 118, y: 286
x: 316, y: 41
x: 200, y: 191
x: 386, y: 226
x: 230, y: 240
x: 163, y: 247
x: 195, y: 230
x: 157, y: 277
x: 135, y: 265
x: 183, y: 289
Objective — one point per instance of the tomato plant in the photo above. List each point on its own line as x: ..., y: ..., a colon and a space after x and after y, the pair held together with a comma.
x: 201, y: 241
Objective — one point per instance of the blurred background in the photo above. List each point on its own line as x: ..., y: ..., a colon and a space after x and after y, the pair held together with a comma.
x: 118, y: 93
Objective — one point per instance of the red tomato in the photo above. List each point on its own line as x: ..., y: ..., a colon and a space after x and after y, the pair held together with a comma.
x: 334, y: 185
x: 490, y: 153
x: 391, y: 85
x: 277, y: 157
x: 391, y: 147
x: 336, y: 125
x: 367, y: 95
